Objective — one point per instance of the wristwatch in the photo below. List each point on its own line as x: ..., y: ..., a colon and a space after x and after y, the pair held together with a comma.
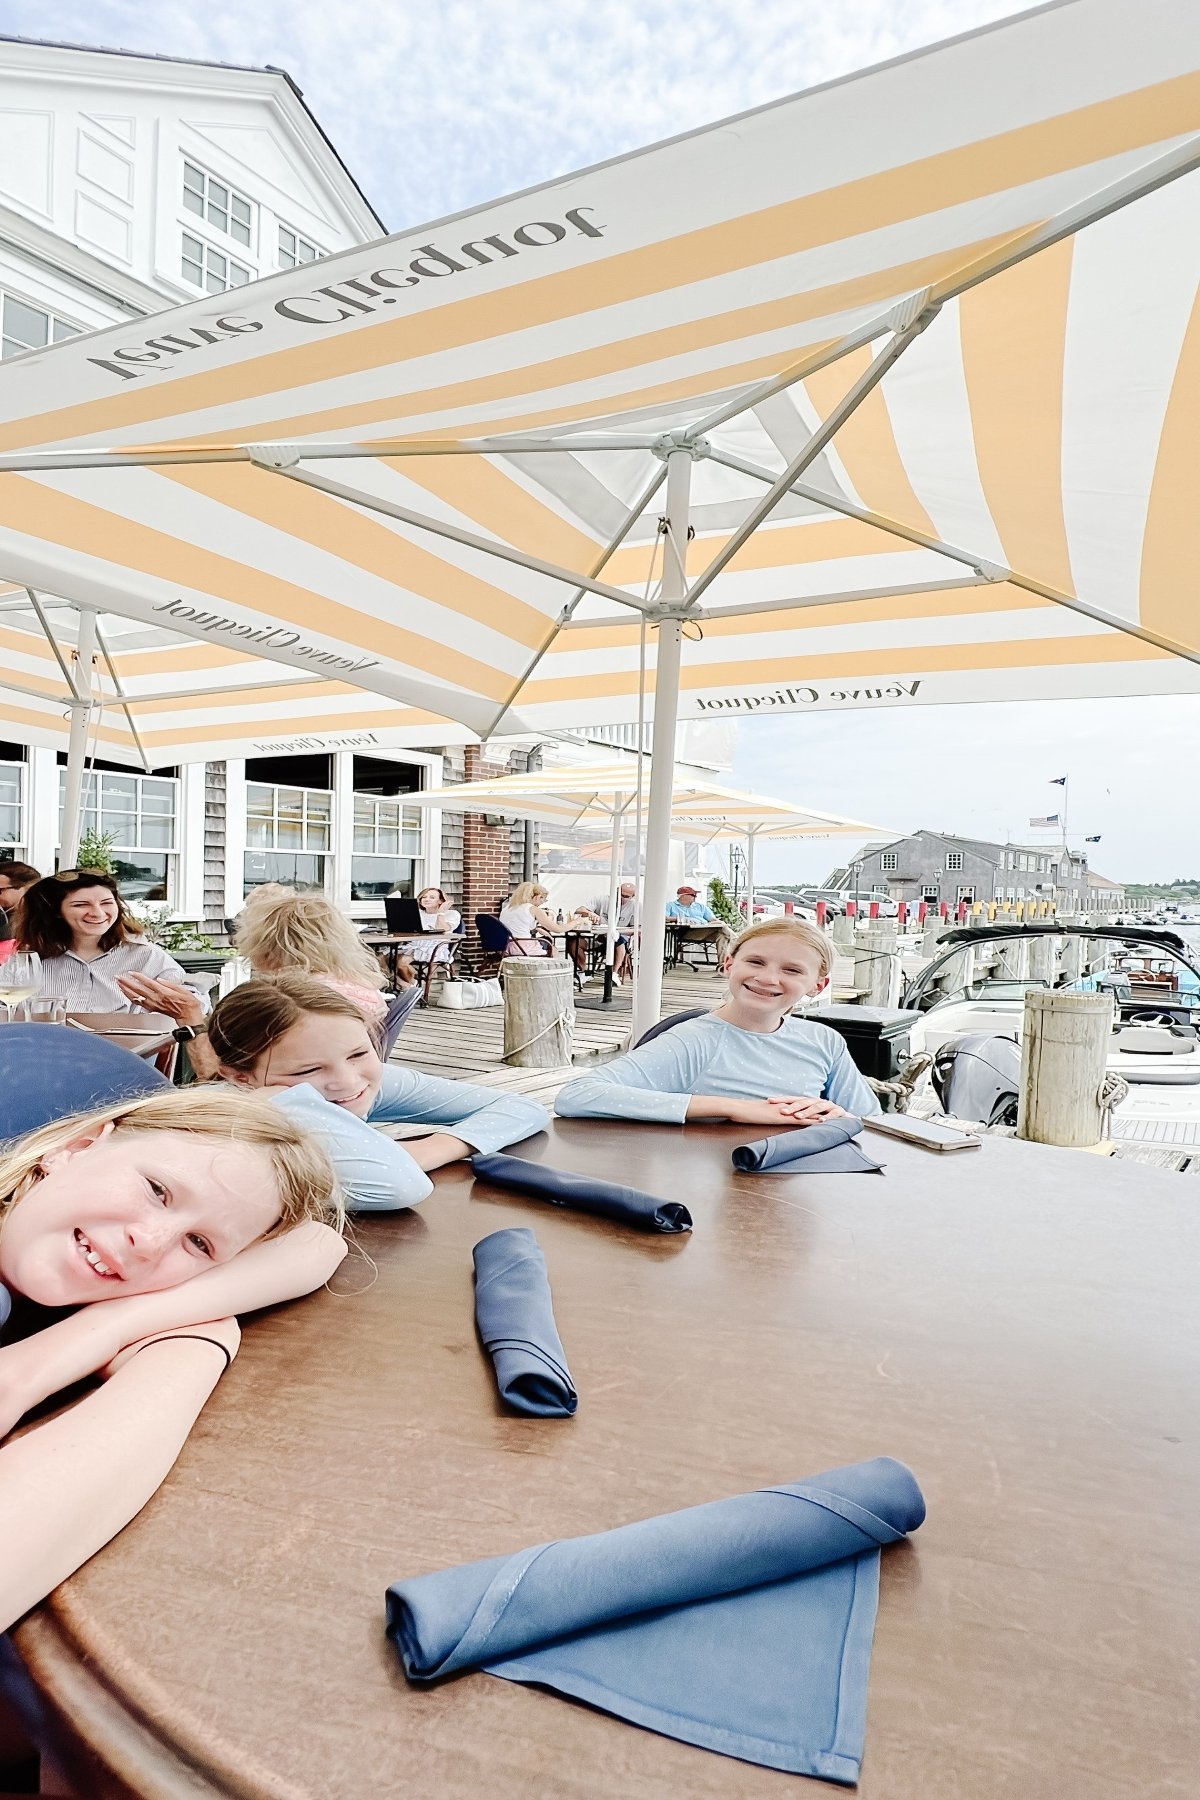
x: 183, y: 1034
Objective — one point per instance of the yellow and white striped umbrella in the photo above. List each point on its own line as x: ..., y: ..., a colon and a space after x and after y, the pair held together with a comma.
x: 928, y: 334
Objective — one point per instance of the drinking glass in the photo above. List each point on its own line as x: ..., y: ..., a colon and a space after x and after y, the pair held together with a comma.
x: 20, y: 979
x: 44, y: 1011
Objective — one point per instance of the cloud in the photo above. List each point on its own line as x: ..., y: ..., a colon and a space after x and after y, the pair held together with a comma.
x: 444, y: 104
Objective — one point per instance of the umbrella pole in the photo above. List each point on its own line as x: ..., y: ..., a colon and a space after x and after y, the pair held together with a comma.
x: 614, y: 882
x: 750, y: 836
x: 81, y: 710
x: 647, y: 1000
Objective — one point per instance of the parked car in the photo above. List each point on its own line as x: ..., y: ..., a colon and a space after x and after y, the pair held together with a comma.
x: 835, y: 902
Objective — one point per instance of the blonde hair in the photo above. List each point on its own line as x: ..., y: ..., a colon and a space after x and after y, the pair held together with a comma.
x: 528, y: 893
x: 787, y: 926
x: 308, y: 1187
x: 281, y: 932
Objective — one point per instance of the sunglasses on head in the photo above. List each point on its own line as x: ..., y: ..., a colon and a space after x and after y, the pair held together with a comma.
x: 78, y: 874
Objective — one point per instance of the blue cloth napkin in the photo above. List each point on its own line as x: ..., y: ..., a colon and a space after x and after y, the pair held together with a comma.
x: 584, y: 1193
x: 824, y: 1149
x: 744, y: 1626
x: 514, y: 1315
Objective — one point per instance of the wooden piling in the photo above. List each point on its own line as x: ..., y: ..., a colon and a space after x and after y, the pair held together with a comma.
x: 1064, y: 1048
x: 539, y: 1012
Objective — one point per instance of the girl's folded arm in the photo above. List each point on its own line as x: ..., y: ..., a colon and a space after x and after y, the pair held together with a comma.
x: 483, y: 1119
x: 376, y: 1174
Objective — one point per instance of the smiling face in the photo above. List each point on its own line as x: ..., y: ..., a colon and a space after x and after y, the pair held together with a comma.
x: 331, y: 1052
x: 772, y: 973
x: 89, y: 912
x: 431, y: 900
x: 122, y: 1213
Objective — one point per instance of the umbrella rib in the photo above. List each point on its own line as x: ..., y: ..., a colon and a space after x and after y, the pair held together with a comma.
x: 950, y: 585
x: 902, y: 337
x: 67, y: 674
x: 116, y: 681
x: 564, y: 618
x: 992, y: 572
x: 440, y: 528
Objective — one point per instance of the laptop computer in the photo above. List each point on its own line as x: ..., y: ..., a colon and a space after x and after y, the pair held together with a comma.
x: 404, y: 917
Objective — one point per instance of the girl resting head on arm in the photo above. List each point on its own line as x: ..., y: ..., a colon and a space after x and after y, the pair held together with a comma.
x: 145, y: 1194
x: 281, y: 932
x: 315, y: 1051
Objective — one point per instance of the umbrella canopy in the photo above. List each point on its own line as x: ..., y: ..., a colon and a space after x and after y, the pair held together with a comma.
x: 156, y: 696
x: 913, y: 355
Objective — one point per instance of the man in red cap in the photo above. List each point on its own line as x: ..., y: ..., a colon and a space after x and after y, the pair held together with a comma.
x: 687, y: 909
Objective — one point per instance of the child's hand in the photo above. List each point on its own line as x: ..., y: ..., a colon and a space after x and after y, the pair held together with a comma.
x: 804, y: 1110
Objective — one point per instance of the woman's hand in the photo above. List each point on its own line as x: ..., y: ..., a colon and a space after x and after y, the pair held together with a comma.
x: 170, y: 997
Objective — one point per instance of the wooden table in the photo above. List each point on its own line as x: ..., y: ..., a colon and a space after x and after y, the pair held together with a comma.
x: 148, y: 1035
x: 1019, y: 1324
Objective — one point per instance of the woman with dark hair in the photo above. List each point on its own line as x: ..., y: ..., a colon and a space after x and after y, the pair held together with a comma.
x: 94, y: 956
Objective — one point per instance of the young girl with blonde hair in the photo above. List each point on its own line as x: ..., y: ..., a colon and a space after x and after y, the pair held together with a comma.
x: 282, y: 932
x: 178, y: 1210
x: 751, y: 1060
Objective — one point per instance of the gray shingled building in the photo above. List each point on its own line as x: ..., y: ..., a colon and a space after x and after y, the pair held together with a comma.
x: 935, y: 867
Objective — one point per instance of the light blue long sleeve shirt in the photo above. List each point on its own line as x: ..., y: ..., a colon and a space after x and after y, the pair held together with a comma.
x: 376, y: 1173
x: 710, y: 1056
x: 695, y: 914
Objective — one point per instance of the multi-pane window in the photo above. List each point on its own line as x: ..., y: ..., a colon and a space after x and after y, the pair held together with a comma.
x: 889, y: 860
x: 954, y: 859
x: 11, y: 834
x: 24, y: 327
x: 289, y: 834
x: 138, y: 812
x: 210, y: 269
x: 386, y: 845
x: 218, y: 205
x: 294, y: 249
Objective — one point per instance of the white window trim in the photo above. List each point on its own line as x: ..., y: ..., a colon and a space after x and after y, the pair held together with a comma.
x: 215, y: 250
x: 18, y: 845
x: 954, y: 862
x: 51, y: 316
x: 889, y: 861
x: 202, y: 218
x: 428, y: 862
x: 282, y: 225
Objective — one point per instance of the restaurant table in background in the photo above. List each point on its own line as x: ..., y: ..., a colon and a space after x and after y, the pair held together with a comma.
x: 147, y: 1034
x: 1022, y: 1332
x: 394, y: 941
x: 681, y: 932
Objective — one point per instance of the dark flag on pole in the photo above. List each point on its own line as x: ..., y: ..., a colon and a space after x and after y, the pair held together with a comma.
x: 1058, y: 781
x: 1092, y: 840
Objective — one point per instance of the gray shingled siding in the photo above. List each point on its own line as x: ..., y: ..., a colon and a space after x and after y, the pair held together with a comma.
x: 214, y: 848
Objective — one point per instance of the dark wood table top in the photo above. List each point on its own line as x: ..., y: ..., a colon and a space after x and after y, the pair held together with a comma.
x: 1019, y: 1324
x: 146, y: 1034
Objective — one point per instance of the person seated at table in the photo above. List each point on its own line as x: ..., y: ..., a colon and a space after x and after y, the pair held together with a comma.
x: 437, y: 914
x: 688, y: 909
x: 94, y: 955
x: 628, y: 920
x: 312, y: 1047
x: 15, y: 877
x: 750, y: 1060
x: 178, y: 1210
x: 524, y: 916
x: 280, y: 932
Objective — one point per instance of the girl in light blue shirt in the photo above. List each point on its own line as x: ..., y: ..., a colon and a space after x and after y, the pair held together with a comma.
x: 750, y: 1061
x: 311, y: 1047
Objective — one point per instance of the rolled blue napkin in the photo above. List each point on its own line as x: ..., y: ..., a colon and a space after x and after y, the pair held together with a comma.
x: 825, y: 1149
x: 584, y: 1193
x: 744, y: 1626
x: 515, y: 1318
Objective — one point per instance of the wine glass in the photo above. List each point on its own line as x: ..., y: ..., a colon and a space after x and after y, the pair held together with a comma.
x: 20, y: 979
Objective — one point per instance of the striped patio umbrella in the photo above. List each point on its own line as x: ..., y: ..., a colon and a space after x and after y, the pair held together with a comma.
x: 914, y: 356
x: 607, y: 796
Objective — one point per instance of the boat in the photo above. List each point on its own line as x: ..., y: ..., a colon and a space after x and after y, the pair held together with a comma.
x: 1153, y: 975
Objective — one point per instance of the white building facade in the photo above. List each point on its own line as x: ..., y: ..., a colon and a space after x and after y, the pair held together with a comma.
x: 130, y: 184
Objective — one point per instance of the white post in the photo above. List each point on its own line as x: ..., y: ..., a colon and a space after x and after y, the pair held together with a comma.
x: 614, y: 889
x: 81, y: 712
x: 750, y: 836
x: 647, y: 998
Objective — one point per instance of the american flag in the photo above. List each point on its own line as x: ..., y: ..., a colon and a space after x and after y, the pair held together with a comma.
x: 1051, y: 819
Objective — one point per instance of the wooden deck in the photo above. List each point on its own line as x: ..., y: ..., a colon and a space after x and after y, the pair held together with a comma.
x: 469, y: 1045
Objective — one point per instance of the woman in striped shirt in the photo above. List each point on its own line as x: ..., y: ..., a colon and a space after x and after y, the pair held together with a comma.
x: 94, y: 956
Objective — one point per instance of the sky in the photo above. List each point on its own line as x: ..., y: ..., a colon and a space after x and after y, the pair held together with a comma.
x: 436, y: 105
